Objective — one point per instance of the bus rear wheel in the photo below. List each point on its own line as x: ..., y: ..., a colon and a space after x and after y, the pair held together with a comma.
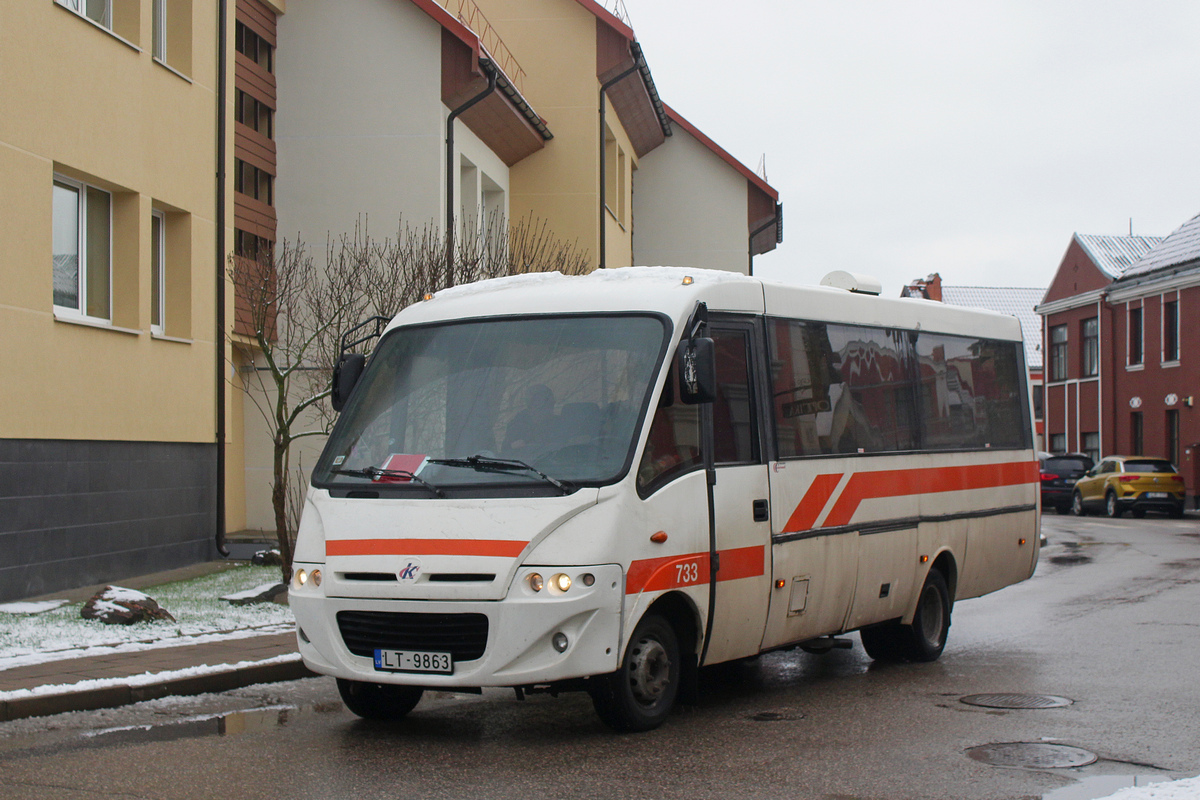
x: 640, y: 695
x: 925, y: 638
x: 381, y: 701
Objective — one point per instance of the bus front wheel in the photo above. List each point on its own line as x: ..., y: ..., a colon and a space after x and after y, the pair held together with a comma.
x: 380, y: 701
x: 639, y: 695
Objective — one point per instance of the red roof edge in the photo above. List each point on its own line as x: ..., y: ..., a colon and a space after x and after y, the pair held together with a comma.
x: 448, y: 21
x: 608, y: 18
x: 722, y: 153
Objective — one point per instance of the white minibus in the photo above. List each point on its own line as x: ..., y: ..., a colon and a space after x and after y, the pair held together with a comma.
x: 606, y: 482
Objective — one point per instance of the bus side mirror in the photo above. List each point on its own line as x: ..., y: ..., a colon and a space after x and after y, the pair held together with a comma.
x: 697, y: 369
x: 345, y: 375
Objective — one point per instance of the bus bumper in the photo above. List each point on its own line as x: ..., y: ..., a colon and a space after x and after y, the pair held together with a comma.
x: 524, y: 633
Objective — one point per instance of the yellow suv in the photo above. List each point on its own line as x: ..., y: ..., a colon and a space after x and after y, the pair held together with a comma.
x: 1129, y: 483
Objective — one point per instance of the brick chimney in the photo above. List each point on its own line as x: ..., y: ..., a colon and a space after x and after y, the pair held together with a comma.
x: 930, y: 288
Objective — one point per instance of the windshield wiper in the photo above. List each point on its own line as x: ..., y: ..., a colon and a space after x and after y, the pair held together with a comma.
x: 488, y: 464
x: 375, y: 473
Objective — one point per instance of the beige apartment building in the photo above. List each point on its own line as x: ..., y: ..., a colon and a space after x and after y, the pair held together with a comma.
x: 108, y: 289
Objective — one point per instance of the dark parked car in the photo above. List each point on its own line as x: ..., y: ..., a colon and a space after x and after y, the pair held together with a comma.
x: 1059, y: 473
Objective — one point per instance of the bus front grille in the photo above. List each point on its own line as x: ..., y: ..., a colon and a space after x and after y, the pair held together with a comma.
x: 462, y: 635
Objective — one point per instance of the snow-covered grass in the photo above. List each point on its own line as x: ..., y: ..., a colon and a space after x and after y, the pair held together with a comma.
x: 196, y: 604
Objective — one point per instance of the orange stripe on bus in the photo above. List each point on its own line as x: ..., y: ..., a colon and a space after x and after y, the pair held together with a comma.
x: 805, y: 515
x: 424, y: 547
x: 672, y: 572
x: 932, y: 480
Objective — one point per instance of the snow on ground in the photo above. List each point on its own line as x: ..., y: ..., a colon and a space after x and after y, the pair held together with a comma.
x: 1187, y: 789
x: 33, y: 636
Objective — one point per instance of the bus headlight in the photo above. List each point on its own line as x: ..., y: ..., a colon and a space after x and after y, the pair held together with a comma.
x: 301, y: 577
x: 535, y: 581
x: 561, y: 582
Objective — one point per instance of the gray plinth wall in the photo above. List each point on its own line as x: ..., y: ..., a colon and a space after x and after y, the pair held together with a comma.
x: 74, y: 513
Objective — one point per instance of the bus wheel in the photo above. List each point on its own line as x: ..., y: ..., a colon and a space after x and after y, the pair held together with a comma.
x: 639, y: 695
x: 926, y: 637
x: 883, y: 642
x: 378, y: 700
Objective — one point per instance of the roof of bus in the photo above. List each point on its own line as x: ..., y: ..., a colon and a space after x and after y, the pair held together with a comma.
x: 674, y: 291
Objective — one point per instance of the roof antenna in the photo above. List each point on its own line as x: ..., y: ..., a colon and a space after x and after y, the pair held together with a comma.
x: 762, y: 166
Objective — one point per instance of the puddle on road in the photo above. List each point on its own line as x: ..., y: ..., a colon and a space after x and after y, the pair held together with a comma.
x: 233, y: 723
x: 1100, y: 786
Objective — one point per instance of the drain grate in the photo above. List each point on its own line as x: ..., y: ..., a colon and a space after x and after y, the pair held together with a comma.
x: 1032, y: 755
x: 1016, y: 700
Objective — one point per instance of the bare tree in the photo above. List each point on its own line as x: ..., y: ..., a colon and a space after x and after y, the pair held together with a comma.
x: 291, y: 313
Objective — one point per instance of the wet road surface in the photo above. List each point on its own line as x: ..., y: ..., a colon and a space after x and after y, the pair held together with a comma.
x: 1111, y: 621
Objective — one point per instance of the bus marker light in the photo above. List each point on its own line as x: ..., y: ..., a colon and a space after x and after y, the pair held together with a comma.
x: 924, y: 559
x: 427, y: 296
x: 687, y: 280
x: 1021, y: 541
x: 779, y: 584
x: 659, y: 537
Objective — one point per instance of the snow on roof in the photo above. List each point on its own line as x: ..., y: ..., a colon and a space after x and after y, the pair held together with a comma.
x: 1182, y: 246
x: 1015, y: 302
x: 1115, y: 254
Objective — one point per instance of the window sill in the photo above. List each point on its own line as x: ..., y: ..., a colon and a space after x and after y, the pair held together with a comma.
x: 1134, y: 367
x: 1170, y: 364
x: 93, y: 323
x: 171, y: 69
x: 162, y: 337
x: 98, y: 26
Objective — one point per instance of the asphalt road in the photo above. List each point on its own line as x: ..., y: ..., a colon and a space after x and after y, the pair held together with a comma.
x: 1111, y: 621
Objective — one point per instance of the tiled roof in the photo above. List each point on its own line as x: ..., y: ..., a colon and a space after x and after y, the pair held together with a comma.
x: 1115, y: 254
x: 1179, y: 248
x: 1015, y: 302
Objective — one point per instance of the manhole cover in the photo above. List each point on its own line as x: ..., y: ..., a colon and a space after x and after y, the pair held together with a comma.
x: 1032, y: 755
x: 1016, y: 700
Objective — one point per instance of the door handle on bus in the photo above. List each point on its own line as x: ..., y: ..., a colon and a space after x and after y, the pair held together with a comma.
x: 762, y: 511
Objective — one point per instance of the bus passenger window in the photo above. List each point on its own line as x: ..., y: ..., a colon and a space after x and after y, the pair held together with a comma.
x: 735, y: 439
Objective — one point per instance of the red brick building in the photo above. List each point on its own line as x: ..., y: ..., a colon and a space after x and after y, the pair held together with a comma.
x: 1120, y: 324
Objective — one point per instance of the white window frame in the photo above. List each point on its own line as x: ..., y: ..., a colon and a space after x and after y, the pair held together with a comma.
x: 158, y: 252
x: 1129, y: 335
x: 80, y: 7
x: 158, y: 24
x: 1162, y: 314
x: 81, y: 218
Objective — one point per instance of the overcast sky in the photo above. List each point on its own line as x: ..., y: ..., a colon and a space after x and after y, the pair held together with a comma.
x: 969, y: 138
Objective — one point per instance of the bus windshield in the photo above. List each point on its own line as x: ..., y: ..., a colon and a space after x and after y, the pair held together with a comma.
x: 554, y: 400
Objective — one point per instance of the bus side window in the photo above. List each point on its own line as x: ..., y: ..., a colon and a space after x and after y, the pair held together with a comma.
x: 735, y: 437
x: 672, y: 445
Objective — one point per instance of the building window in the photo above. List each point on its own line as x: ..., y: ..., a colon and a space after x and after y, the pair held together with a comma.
x: 253, y: 182
x: 1135, y: 337
x: 254, y: 47
x: 1091, y: 445
x: 1058, y: 443
x: 82, y: 249
x: 1091, y: 347
x: 1136, y: 443
x: 253, y: 113
x: 1173, y: 436
x: 158, y: 260
x: 1171, y: 331
x: 1038, y: 400
x: 247, y: 245
x: 1058, y: 353
x: 159, y: 24
x: 98, y: 11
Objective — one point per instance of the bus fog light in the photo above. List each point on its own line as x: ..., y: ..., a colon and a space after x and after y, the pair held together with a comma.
x: 559, y: 640
x: 561, y: 581
x: 535, y: 581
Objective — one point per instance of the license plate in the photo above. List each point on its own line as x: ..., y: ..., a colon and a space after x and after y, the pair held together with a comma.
x: 1157, y: 495
x: 413, y: 661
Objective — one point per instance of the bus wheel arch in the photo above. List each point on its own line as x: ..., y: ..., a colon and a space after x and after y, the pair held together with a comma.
x: 924, y: 637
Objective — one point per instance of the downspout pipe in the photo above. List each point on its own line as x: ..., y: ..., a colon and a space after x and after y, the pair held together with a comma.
x: 774, y: 221
x: 491, y: 71
x: 222, y: 54
x: 604, y: 87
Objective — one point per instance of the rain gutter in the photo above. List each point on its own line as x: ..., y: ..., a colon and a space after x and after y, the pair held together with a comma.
x: 492, y: 73
x: 222, y: 53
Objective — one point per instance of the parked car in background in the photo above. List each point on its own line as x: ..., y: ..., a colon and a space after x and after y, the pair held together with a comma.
x: 1059, y: 473
x: 1130, y: 483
